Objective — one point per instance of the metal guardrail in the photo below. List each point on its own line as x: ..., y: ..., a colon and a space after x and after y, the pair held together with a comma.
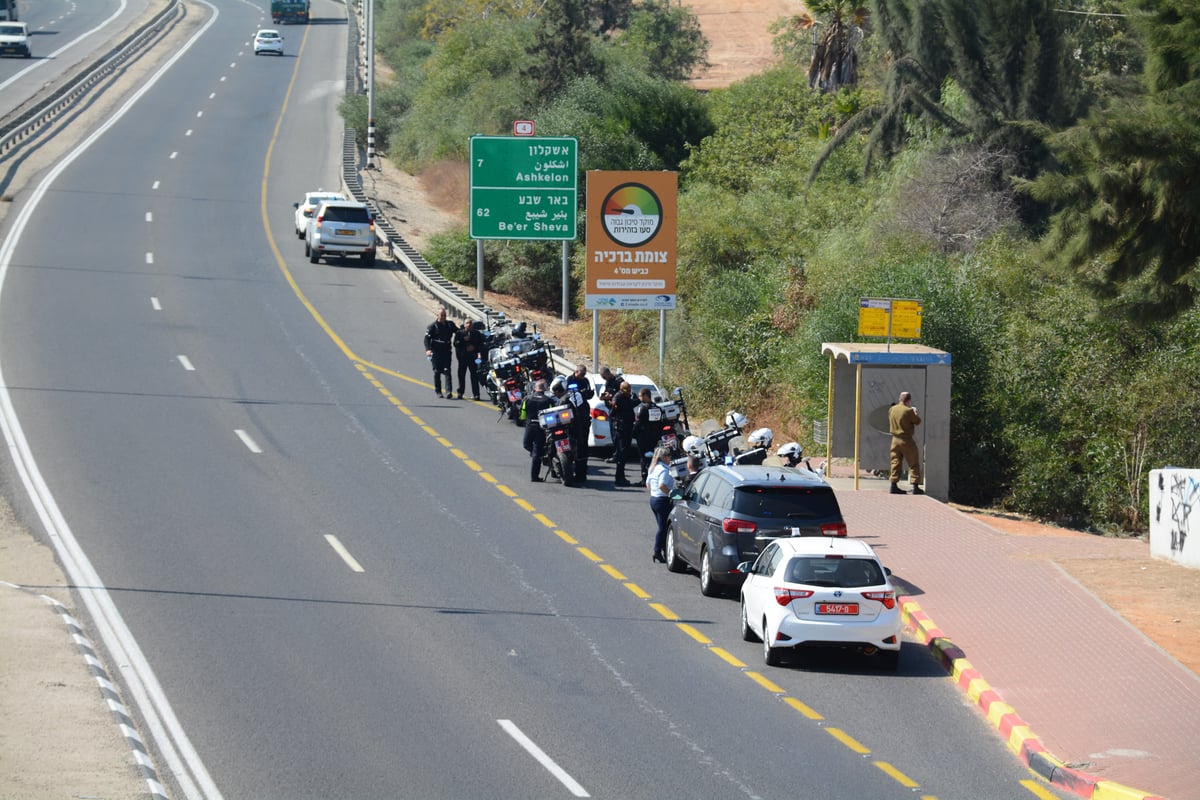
x: 448, y: 293
x: 44, y: 111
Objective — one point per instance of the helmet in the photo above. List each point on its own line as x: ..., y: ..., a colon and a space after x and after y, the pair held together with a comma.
x: 736, y: 419
x: 791, y: 453
x: 558, y: 385
x: 693, y: 446
x: 761, y: 437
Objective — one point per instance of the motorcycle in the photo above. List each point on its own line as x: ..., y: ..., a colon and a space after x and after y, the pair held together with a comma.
x: 559, y: 454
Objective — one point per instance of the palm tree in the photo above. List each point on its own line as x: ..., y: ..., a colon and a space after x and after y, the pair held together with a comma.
x: 835, y: 58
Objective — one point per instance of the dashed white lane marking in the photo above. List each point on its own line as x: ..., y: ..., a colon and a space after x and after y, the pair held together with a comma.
x: 157, y: 306
x: 149, y: 258
x: 251, y: 445
x: 186, y: 362
x: 540, y: 756
x: 149, y: 216
x: 343, y: 552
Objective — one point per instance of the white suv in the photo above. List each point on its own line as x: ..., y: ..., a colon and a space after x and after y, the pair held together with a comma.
x: 14, y: 39
x: 340, y: 228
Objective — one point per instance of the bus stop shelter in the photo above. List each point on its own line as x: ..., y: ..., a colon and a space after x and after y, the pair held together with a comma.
x: 865, y: 380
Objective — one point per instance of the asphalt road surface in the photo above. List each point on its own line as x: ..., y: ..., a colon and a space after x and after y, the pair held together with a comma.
x: 319, y: 580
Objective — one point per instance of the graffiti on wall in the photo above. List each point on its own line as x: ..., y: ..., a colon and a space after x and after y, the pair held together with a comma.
x: 1181, y: 491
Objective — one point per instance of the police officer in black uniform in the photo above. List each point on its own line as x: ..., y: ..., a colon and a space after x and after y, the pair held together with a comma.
x: 468, y: 346
x: 621, y: 406
x: 535, y: 436
x: 579, y: 392
x: 647, y: 429
x: 438, y: 337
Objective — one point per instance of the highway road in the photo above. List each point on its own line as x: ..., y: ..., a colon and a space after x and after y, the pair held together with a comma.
x: 64, y: 35
x: 319, y: 579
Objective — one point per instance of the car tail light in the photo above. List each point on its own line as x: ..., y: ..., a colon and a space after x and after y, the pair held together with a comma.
x: 730, y: 525
x: 833, y: 529
x: 600, y: 414
x: 784, y: 595
x: 887, y: 598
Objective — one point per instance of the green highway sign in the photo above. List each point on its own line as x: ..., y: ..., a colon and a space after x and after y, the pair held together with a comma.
x: 524, y: 187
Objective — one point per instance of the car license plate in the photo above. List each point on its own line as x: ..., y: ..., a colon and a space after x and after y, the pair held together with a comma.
x: 837, y: 608
x: 562, y: 445
x: 344, y: 232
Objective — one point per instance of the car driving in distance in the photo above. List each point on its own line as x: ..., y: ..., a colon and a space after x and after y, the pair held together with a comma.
x: 341, y: 228
x: 806, y: 593
x: 305, y: 208
x: 14, y: 39
x: 729, y: 514
x: 600, y: 434
x: 268, y: 41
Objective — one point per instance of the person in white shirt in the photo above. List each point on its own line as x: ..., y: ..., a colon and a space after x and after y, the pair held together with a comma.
x: 661, y: 483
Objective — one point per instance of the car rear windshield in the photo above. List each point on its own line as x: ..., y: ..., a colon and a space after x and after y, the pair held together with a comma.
x: 346, y: 214
x: 843, y: 573
x: 787, y: 502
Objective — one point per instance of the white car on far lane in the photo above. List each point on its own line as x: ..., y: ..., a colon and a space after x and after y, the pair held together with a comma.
x: 600, y: 434
x: 305, y: 209
x: 268, y: 41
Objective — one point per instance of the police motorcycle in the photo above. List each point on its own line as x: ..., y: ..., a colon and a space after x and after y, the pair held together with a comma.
x: 535, y: 362
x: 722, y: 443
x: 506, y: 377
x: 559, y: 454
x: 760, y: 447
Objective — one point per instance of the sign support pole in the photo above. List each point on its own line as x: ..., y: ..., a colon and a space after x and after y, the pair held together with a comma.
x: 595, y: 339
x: 566, y: 285
x: 479, y: 269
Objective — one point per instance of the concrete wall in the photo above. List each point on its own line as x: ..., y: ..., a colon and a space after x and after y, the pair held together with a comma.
x: 1175, y: 515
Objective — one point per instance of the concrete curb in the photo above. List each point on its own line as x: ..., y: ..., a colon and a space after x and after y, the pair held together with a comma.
x: 1003, y: 717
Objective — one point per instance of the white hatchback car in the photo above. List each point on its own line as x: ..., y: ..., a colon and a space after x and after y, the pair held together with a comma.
x: 305, y: 209
x: 268, y: 41
x: 601, y: 431
x: 810, y: 591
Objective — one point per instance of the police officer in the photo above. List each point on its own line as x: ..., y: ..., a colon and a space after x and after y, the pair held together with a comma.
x: 438, y: 337
x: 647, y: 428
x: 620, y: 419
x: 468, y: 346
x: 535, y: 436
x: 565, y: 395
x: 579, y: 392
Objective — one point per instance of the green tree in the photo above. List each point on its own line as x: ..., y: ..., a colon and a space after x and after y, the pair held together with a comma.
x: 667, y: 39
x: 561, y: 50
x: 1128, y: 194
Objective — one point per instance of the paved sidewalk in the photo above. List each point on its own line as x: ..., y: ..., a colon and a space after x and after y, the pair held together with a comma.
x: 1081, y: 695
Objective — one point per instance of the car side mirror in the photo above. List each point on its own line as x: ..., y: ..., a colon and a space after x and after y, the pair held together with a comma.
x: 295, y: 205
x: 887, y: 571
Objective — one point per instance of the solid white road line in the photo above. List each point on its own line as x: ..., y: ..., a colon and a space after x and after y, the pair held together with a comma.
x: 540, y: 756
